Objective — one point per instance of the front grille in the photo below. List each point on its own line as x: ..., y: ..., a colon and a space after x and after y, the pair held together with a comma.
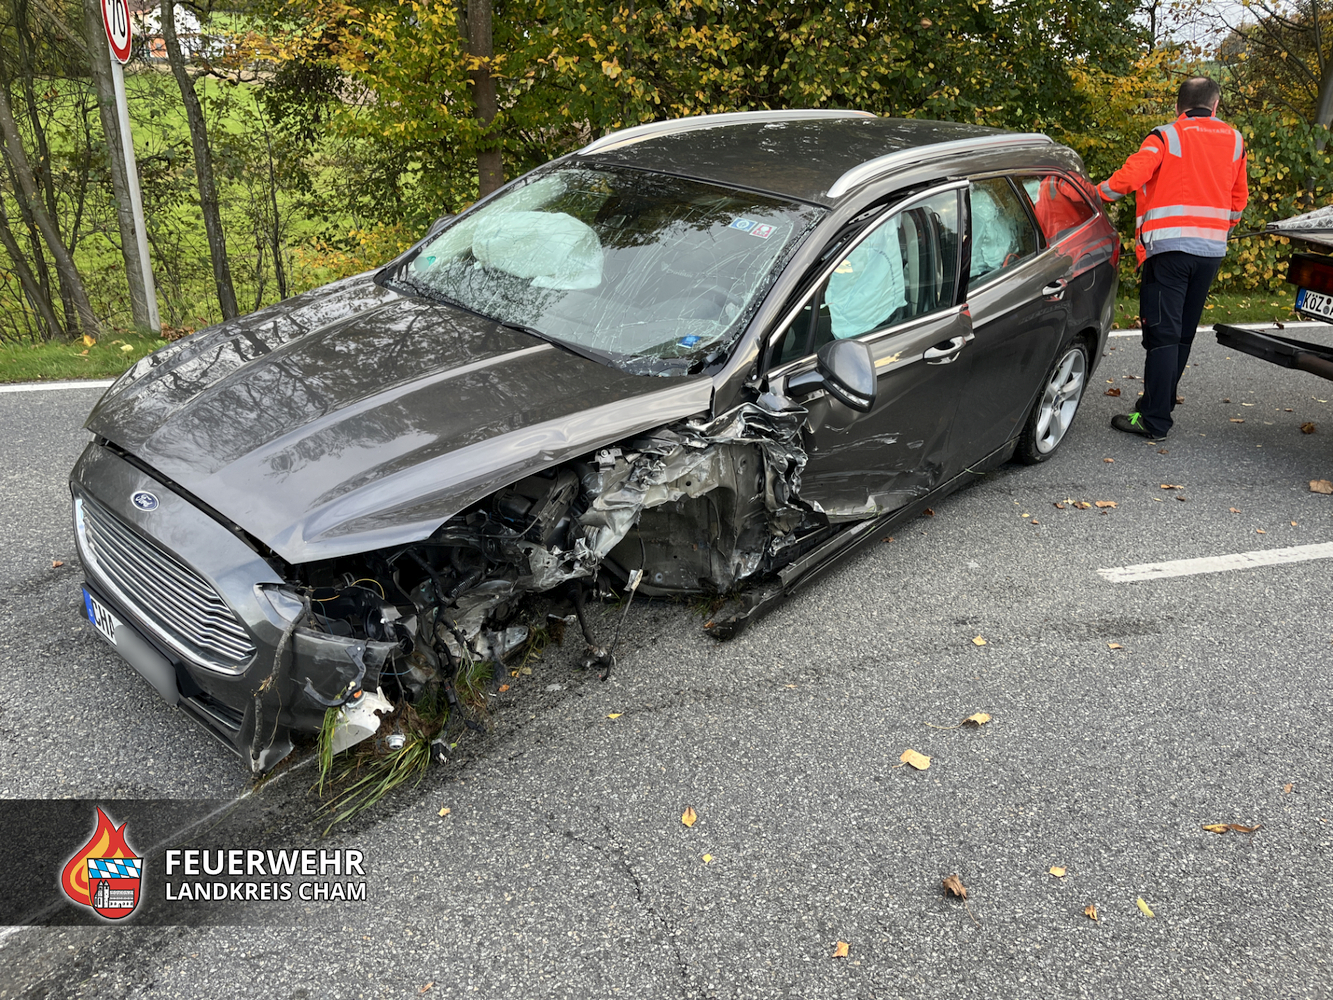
x: 170, y: 595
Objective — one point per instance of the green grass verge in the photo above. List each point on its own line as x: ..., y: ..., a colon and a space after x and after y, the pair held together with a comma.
x: 53, y: 362
x: 1223, y: 307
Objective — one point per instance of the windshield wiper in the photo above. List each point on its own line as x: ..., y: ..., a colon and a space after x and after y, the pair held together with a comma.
x: 602, y: 357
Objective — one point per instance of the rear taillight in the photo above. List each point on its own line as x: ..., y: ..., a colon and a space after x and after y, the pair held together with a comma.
x: 1312, y: 271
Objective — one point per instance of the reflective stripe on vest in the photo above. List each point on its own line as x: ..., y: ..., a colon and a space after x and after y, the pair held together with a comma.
x: 1172, y: 137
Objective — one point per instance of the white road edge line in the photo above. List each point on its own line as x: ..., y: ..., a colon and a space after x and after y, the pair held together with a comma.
x: 1216, y: 564
x: 1301, y: 325
x: 91, y: 383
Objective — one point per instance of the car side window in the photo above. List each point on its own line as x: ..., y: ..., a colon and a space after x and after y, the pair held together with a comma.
x: 906, y: 267
x: 1002, y: 232
x: 1058, y: 204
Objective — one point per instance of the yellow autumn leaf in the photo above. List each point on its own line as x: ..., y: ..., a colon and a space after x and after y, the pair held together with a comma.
x: 979, y: 719
x: 689, y: 816
x: 127, y: 348
x: 88, y: 341
x: 1090, y: 911
x: 1057, y: 871
x: 1147, y: 910
x: 978, y: 641
x: 1114, y: 645
x: 614, y: 715
x: 917, y: 760
x: 707, y: 858
x: 840, y: 949
x: 444, y: 811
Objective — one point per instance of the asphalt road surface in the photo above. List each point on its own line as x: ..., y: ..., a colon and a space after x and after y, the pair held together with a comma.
x: 1124, y: 717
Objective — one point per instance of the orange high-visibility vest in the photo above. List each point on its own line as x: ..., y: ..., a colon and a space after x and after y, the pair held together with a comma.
x: 1189, y: 180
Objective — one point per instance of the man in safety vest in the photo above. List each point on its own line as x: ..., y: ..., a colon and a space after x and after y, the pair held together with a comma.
x: 1189, y: 182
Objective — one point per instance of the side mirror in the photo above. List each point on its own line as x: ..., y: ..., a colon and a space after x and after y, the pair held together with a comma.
x: 845, y: 369
x: 438, y: 225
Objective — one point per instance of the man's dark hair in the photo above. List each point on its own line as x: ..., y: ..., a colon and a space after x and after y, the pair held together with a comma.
x: 1199, y: 92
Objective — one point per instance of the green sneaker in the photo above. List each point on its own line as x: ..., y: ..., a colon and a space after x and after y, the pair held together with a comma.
x: 1132, y: 423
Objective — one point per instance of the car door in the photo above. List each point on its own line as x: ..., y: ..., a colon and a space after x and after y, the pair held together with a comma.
x: 1017, y: 296
x: 894, y: 289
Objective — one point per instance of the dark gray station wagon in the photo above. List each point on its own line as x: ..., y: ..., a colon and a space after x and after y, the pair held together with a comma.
x: 710, y: 355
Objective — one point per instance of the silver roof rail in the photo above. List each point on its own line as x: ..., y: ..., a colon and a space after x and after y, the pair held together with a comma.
x: 652, y: 130
x: 884, y: 164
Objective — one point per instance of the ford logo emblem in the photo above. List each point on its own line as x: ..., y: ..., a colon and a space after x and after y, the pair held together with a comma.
x: 144, y: 500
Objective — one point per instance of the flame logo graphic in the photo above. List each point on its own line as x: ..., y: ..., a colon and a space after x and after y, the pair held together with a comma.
x: 107, y: 841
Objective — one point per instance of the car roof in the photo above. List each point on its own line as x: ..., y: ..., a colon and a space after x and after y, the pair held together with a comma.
x: 815, y: 156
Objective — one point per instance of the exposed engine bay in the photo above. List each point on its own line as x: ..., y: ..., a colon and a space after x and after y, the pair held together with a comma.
x: 697, y: 507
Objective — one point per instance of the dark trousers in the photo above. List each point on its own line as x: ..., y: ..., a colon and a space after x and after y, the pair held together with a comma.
x: 1171, y: 298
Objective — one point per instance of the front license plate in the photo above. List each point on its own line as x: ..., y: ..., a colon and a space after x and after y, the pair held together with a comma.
x: 101, y: 617
x: 1314, y: 303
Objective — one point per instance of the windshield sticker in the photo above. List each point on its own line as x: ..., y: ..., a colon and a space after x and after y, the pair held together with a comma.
x: 744, y: 225
x: 690, y: 340
x: 763, y: 232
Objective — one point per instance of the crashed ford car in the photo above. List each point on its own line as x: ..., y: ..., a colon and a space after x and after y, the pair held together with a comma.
x: 702, y: 356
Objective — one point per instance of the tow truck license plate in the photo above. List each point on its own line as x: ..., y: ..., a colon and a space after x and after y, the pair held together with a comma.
x: 101, y: 617
x: 1314, y: 303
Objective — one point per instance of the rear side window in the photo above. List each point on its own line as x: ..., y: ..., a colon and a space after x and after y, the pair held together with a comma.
x: 1002, y: 233
x: 1058, y: 204
x: 906, y: 267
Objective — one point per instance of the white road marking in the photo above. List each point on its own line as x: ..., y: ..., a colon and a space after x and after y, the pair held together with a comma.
x: 1302, y: 325
x: 90, y: 383
x: 1217, y: 564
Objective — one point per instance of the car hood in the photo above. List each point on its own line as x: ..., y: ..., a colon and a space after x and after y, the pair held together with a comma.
x: 353, y: 418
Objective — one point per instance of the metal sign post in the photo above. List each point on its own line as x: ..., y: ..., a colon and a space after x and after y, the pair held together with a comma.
x: 116, y: 20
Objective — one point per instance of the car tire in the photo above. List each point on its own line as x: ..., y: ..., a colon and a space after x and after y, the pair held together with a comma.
x: 1054, y: 411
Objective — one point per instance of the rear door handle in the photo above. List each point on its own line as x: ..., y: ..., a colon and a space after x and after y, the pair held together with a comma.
x: 1055, y: 291
x: 946, y: 351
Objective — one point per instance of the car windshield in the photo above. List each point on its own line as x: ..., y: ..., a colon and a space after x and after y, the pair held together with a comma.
x: 652, y: 273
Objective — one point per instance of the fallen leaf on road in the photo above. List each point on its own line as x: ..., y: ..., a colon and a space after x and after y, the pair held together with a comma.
x: 445, y: 810
x: 1288, y: 410
x: 1260, y: 531
x: 707, y: 858
x: 953, y: 884
x: 1034, y: 521
x: 1104, y: 503
x: 1147, y: 910
x: 1224, y: 827
x: 978, y: 641
x: 1114, y: 645
x: 503, y: 688
x: 56, y: 563
x: 1108, y: 459
x: 840, y: 949
x: 1113, y: 391
x: 689, y: 816
x: 614, y: 715
x: 979, y: 719
x: 1182, y: 498
x: 1238, y: 420
x: 928, y: 512
x: 1083, y: 505
x: 1162, y: 451
x: 1321, y: 486
x: 1235, y: 510
x: 1059, y: 506
x: 1307, y: 428
x: 1286, y: 789
x: 526, y: 671
x: 1057, y: 871
x: 1169, y: 486
x: 1090, y: 911
x: 1294, y: 524
x: 426, y: 987
x: 918, y: 760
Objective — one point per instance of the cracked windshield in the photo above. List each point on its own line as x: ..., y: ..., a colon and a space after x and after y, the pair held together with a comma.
x: 651, y: 273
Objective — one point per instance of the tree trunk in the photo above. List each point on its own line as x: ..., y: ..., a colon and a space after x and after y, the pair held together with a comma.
x: 106, y: 106
x: 203, y: 165
x: 490, y: 167
x: 32, y: 288
x: 28, y: 195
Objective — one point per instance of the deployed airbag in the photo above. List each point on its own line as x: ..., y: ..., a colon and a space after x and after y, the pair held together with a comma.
x: 868, y: 286
x: 554, y: 249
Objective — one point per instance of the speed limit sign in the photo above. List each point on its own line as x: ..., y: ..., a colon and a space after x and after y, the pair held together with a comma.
x: 116, y: 20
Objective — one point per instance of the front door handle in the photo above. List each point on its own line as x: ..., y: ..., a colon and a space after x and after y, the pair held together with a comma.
x: 1055, y: 291
x: 946, y: 351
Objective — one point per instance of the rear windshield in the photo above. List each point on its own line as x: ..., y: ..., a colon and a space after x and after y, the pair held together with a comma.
x: 651, y: 273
